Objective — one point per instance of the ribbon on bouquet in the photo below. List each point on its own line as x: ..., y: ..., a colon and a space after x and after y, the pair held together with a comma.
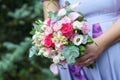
x: 77, y: 72
x: 96, y: 30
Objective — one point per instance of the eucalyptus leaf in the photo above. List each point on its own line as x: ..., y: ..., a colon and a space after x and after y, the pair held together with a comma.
x: 67, y: 3
x: 9, y: 45
x: 54, y: 16
x: 33, y: 50
x: 38, y: 25
x: 70, y: 53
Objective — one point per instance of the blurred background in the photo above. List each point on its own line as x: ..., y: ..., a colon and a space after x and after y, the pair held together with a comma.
x: 16, y: 18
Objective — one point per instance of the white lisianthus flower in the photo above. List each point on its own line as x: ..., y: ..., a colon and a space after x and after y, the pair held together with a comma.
x: 78, y: 39
x: 85, y: 37
x: 61, y: 57
x: 46, y: 54
x: 62, y: 12
x: 77, y: 25
x: 56, y: 59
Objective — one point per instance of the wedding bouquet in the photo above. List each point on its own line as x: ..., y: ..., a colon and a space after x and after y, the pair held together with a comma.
x: 63, y: 36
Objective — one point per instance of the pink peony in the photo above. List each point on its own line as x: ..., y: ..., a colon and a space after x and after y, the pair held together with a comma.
x: 74, y: 15
x: 48, y: 41
x: 67, y: 30
x: 65, y: 20
x: 85, y: 27
x: 54, y: 69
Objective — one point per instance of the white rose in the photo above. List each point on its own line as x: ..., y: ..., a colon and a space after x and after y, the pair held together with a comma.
x: 77, y: 25
x: 62, y: 12
x: 77, y: 40
x: 56, y: 59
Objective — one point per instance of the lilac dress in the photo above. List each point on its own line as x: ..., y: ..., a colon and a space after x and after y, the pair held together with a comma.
x: 104, y: 13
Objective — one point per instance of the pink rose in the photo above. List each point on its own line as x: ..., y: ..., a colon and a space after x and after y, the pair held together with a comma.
x: 74, y: 15
x: 57, y: 26
x: 85, y: 27
x: 48, y: 41
x: 54, y: 69
x: 67, y: 30
x: 65, y: 20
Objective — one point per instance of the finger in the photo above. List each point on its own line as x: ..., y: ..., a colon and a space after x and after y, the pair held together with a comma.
x: 91, y: 62
x: 83, y: 58
x: 86, y: 62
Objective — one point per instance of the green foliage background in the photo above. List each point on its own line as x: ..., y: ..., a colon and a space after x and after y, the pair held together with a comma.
x: 16, y: 18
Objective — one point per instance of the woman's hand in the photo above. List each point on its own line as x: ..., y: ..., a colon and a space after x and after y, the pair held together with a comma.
x: 92, y: 53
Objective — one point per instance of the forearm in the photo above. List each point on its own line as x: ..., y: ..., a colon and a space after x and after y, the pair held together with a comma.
x: 109, y: 37
x: 49, y: 5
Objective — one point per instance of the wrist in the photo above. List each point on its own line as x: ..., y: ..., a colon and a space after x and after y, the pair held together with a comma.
x: 100, y: 43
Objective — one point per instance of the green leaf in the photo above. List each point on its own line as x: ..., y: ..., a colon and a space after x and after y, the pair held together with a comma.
x: 91, y: 65
x: 9, y: 45
x: 90, y: 40
x: 82, y: 50
x: 54, y: 16
x: 68, y: 10
x: 32, y: 32
x: 70, y: 53
x: 67, y: 3
x: 38, y: 25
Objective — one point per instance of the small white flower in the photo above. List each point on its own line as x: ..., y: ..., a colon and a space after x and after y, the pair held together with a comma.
x: 77, y: 40
x: 46, y: 54
x: 77, y: 25
x: 56, y: 59
x: 61, y: 57
x: 62, y: 12
x: 41, y: 51
x: 35, y: 35
x: 85, y: 37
